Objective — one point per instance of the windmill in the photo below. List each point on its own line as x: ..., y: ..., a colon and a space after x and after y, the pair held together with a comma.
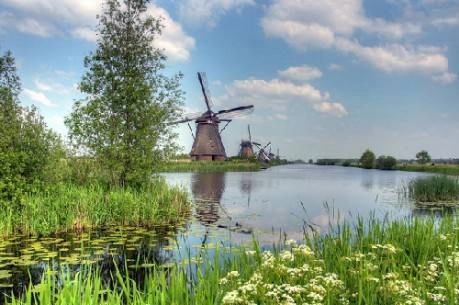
x: 264, y: 153
x: 207, y: 143
x: 246, y: 148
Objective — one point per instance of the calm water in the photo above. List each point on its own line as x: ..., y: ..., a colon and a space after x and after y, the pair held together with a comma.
x: 228, y: 208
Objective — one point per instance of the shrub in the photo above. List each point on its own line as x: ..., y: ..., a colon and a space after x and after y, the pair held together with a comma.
x: 367, y: 159
x: 386, y: 162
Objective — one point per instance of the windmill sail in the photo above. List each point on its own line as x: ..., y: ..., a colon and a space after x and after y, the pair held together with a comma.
x: 205, y: 90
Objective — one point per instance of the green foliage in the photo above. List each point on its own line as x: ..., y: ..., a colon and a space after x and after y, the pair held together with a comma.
x: 68, y: 207
x: 434, y: 189
x: 423, y: 157
x: 123, y: 120
x: 29, y: 151
x: 367, y: 160
x: 386, y: 162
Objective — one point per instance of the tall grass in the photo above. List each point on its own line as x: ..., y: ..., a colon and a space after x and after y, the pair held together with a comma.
x: 375, y: 263
x: 73, y: 207
x: 434, y: 189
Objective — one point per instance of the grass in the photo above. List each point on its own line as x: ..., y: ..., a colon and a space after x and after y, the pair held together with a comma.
x: 434, y: 189
x: 210, y: 166
x: 66, y: 207
x: 380, y: 262
x: 447, y: 169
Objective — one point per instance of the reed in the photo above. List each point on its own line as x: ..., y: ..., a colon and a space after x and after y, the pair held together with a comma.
x: 408, y: 261
x: 433, y: 189
x: 66, y: 207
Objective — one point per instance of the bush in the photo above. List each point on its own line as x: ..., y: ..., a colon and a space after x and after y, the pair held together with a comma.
x: 386, y: 162
x: 367, y: 159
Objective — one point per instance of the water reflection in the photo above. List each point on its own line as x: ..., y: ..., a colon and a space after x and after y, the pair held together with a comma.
x: 207, y: 190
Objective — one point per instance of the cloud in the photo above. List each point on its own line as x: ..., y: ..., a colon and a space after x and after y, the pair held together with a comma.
x: 334, y: 24
x: 209, y: 12
x: 445, y: 78
x: 175, y: 42
x: 301, y: 73
x: 78, y: 19
x: 26, y: 25
x: 38, y: 97
x: 276, y: 95
x: 85, y: 33
x: 52, y: 86
x: 335, y: 67
x: 396, y: 57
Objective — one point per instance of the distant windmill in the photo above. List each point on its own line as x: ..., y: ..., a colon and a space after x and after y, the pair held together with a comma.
x: 264, y: 153
x: 246, y: 149
x: 207, y: 140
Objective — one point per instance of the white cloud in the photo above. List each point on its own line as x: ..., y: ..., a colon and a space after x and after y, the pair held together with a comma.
x: 38, y: 97
x: 335, y: 67
x: 446, y: 21
x: 396, y: 57
x: 445, y: 78
x: 85, y: 33
x: 277, y: 94
x: 78, y: 18
x: 26, y: 25
x: 175, y: 42
x: 301, y: 73
x: 333, y: 24
x: 52, y: 86
x: 209, y: 12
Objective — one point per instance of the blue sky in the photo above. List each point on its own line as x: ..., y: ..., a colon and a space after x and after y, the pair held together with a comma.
x: 328, y: 78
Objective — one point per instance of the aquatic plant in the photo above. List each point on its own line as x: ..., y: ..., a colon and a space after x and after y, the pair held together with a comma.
x: 67, y: 207
x: 433, y: 189
x: 408, y: 261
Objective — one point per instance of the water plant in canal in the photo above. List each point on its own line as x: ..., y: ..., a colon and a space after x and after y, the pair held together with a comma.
x: 433, y: 189
x: 407, y: 261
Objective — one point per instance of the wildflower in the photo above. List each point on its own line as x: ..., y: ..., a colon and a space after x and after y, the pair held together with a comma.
x: 290, y: 243
x: 286, y: 256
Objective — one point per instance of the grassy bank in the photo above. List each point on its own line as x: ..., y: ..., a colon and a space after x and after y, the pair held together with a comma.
x: 380, y: 262
x: 447, y: 169
x: 210, y: 166
x: 68, y: 206
x: 433, y: 189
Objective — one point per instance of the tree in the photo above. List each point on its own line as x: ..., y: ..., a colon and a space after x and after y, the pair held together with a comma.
x: 123, y: 120
x: 27, y: 146
x: 423, y: 157
x: 386, y: 162
x: 367, y: 159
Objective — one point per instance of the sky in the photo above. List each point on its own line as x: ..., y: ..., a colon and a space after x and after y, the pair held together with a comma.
x: 328, y: 78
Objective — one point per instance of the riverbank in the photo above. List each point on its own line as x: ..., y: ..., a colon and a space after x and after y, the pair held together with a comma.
x: 447, y: 169
x: 408, y: 261
x: 71, y: 207
x: 211, y: 166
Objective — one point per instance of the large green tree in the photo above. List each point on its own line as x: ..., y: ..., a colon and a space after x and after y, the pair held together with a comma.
x: 28, y: 148
x: 122, y: 122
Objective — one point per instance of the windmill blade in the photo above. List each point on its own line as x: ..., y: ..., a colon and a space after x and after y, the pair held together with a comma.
x: 256, y: 144
x: 205, y: 91
x: 250, y: 135
x: 187, y: 118
x: 269, y: 143
x: 235, y: 113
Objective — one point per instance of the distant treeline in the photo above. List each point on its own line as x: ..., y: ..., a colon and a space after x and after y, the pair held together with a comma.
x: 341, y: 162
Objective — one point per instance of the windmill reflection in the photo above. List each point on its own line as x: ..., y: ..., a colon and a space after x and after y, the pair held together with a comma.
x: 207, y: 189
